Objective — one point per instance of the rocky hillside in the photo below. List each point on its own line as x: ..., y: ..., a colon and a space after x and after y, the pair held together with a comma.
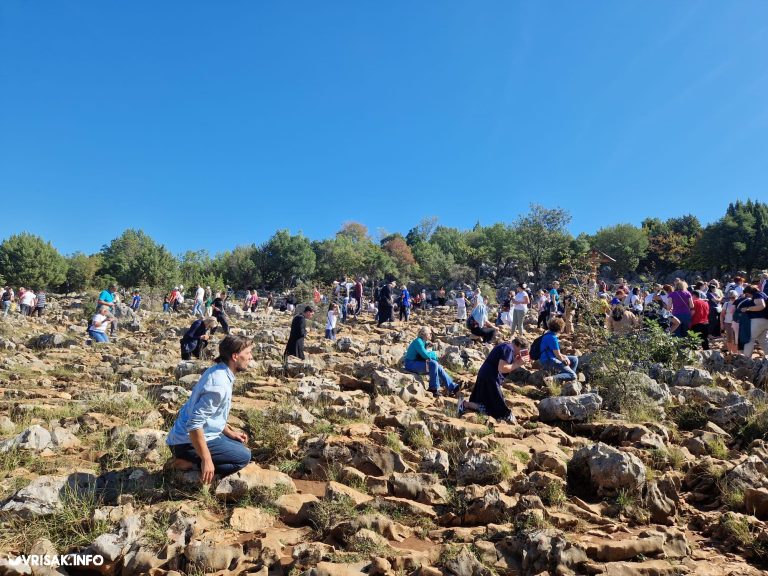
x: 357, y: 470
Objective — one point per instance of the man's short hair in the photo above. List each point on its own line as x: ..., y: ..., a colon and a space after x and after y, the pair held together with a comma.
x: 308, y: 309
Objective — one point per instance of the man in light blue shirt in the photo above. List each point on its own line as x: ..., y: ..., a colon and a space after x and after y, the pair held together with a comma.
x: 200, y: 436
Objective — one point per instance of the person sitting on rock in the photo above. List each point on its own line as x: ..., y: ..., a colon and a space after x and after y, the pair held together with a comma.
x: 621, y: 321
x: 479, y: 324
x: 563, y: 367
x: 420, y: 359
x: 97, y: 329
x: 196, y: 338
x: 200, y: 436
x: 487, y: 396
x: 295, y: 345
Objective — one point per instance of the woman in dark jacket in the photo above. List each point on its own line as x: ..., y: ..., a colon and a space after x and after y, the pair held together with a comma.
x: 386, y: 303
x: 487, y: 396
x: 196, y: 338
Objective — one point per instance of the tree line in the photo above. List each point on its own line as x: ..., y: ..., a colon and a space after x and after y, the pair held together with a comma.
x: 536, y: 244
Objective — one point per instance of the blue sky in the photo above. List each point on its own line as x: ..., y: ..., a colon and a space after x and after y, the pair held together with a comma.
x: 212, y: 124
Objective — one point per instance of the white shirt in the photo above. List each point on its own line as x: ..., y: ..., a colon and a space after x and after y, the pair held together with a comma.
x: 332, y: 317
x: 28, y: 298
x: 461, y: 308
x: 506, y: 319
x: 520, y: 299
x: 101, y: 319
x: 199, y: 295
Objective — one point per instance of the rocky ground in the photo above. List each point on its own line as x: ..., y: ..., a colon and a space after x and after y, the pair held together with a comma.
x: 356, y: 469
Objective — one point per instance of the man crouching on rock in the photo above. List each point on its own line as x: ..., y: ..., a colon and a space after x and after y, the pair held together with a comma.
x: 201, y: 436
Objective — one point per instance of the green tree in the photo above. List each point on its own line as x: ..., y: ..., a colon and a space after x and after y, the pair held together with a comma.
x: 422, y: 232
x: 135, y: 259
x: 239, y: 267
x: 738, y: 241
x: 670, y: 243
x: 286, y: 259
x: 338, y: 257
x: 197, y: 267
x: 28, y: 260
x: 497, y: 247
x: 625, y: 243
x: 81, y: 271
x: 540, y: 237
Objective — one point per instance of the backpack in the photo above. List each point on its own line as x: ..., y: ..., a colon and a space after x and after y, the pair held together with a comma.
x: 535, y: 350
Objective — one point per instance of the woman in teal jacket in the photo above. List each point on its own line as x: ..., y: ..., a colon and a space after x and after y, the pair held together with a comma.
x: 420, y: 360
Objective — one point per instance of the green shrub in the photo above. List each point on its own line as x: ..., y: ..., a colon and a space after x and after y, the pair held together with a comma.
x: 267, y: 433
x: 689, y: 416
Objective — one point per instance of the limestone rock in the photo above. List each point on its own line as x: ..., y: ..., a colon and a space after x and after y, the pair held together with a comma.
x: 567, y: 408
x: 252, y: 476
x: 605, y: 469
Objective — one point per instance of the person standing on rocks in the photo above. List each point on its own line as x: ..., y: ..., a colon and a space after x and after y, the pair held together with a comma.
x: 487, y: 396
x: 404, y: 303
x: 757, y: 316
x: 196, y: 338
x: 197, y: 308
x: 26, y: 302
x: 7, y: 300
x: 295, y: 345
x: 420, y: 359
x: 358, y: 294
x: 136, y: 301
x: 333, y: 317
x: 386, y: 302
x: 217, y: 310
x: 461, y: 307
x: 200, y: 436
x: 39, y: 304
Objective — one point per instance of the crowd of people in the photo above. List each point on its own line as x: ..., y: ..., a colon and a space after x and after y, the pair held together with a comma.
x: 27, y: 301
x: 202, y: 438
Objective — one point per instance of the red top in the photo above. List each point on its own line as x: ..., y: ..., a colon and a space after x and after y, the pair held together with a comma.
x: 700, y: 312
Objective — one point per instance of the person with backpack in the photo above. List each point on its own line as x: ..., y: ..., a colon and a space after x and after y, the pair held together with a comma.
x: 196, y: 338
x: 551, y: 358
x: 487, y: 396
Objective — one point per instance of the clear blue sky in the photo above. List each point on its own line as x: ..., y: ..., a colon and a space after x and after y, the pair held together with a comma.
x: 212, y: 124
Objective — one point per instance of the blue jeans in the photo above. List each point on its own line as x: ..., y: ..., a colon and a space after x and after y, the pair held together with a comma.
x: 437, y: 373
x: 330, y: 334
x: 198, y: 309
x: 228, y: 455
x: 98, y: 336
x: 563, y: 373
x: 6, y: 307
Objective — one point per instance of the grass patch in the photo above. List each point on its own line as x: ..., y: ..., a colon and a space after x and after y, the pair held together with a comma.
x: 393, y: 442
x: 417, y: 439
x: 730, y: 495
x: 689, y: 416
x: 328, y: 512
x: 155, y: 535
x: 522, y: 456
x: 554, y: 495
x: 717, y: 448
x: 267, y: 432
x: 70, y: 527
